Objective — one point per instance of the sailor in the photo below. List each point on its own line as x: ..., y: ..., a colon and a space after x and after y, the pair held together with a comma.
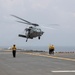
x: 51, y: 49
x: 14, y: 50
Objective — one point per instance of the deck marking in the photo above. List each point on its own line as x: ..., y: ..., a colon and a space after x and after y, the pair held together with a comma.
x: 51, y: 56
x: 64, y: 71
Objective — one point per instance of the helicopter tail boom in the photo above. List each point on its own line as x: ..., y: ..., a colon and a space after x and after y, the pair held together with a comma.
x: 20, y: 35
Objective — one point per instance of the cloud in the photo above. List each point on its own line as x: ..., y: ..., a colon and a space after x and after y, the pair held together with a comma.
x: 74, y: 14
x: 39, y: 4
x: 44, y: 12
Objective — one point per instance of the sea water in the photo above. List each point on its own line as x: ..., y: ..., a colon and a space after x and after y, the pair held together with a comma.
x: 46, y: 48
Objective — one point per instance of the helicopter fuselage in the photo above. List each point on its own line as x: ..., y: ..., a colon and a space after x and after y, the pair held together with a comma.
x: 32, y: 32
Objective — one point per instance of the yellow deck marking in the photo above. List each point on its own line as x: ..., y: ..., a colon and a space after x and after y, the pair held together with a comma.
x: 38, y: 54
x: 51, y: 56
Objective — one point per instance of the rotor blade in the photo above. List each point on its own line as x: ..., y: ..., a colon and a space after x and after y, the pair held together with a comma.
x: 47, y: 27
x: 28, y: 23
x: 34, y: 24
x: 23, y: 22
x: 54, y: 24
x: 21, y: 19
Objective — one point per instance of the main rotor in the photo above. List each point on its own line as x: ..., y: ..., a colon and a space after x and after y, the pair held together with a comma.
x: 25, y: 21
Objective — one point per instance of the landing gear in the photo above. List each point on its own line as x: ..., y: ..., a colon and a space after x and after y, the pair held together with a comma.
x: 26, y: 39
x: 39, y: 37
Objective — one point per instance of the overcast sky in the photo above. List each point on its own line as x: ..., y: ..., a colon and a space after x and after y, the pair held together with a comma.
x: 43, y: 12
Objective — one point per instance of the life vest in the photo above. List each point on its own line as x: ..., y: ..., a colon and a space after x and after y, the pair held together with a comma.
x: 51, y: 47
x: 14, y: 48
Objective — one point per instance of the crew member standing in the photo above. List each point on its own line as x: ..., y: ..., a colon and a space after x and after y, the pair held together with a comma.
x: 51, y: 49
x: 14, y: 50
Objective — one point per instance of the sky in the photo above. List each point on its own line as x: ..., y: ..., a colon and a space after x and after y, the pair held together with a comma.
x: 42, y: 12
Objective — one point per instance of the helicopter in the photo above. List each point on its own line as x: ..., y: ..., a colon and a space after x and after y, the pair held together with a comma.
x: 32, y: 31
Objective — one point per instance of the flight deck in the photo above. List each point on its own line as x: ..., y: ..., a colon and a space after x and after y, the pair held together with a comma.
x: 37, y: 63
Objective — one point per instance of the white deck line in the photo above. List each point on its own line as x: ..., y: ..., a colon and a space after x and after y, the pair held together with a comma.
x: 64, y: 71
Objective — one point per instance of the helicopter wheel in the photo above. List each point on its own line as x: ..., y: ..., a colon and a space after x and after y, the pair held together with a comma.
x: 39, y: 37
x: 26, y: 40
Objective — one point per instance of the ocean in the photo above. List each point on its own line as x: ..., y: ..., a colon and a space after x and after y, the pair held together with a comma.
x: 46, y: 48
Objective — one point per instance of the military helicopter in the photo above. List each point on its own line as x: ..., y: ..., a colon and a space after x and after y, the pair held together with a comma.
x: 32, y: 31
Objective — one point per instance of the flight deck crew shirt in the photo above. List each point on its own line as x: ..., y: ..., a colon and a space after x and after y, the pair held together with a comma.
x: 14, y: 48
